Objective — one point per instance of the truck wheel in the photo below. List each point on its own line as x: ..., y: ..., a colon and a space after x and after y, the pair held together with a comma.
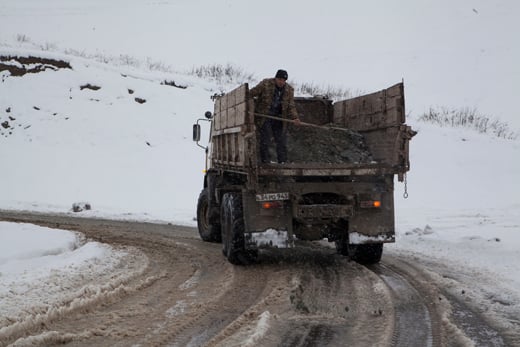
x: 208, y: 231
x: 232, y: 220
x: 341, y: 239
x: 369, y: 253
x: 342, y: 247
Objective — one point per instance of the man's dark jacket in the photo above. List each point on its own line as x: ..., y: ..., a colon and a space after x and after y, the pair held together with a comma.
x: 264, y: 92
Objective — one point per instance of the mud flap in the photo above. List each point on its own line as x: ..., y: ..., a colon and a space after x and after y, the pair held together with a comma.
x: 270, y: 238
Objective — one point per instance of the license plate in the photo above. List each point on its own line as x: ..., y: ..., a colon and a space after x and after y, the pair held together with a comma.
x: 272, y: 196
x: 324, y: 211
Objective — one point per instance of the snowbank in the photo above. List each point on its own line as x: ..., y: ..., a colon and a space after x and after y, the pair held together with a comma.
x: 45, y: 273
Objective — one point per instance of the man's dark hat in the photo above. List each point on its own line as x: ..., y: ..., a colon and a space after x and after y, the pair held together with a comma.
x: 282, y: 74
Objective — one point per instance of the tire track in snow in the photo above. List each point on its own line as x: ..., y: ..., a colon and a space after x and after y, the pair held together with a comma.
x: 303, y: 297
x: 427, y: 315
x: 87, y: 297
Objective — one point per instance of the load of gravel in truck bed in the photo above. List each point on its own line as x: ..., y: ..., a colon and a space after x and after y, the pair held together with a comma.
x: 324, y: 145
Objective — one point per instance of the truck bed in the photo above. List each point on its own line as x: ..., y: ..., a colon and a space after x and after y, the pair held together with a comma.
x: 378, y: 118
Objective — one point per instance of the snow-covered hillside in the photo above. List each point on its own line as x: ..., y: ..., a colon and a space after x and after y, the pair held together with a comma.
x: 116, y: 138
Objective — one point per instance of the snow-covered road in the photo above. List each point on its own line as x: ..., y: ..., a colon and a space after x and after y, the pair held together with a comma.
x: 176, y: 286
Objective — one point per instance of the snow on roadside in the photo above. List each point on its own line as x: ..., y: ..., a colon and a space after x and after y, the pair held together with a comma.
x: 462, y: 218
x: 464, y: 202
x: 46, y: 272
x: 487, y: 239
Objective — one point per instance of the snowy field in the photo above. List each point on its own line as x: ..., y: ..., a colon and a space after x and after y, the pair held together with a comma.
x: 67, y: 143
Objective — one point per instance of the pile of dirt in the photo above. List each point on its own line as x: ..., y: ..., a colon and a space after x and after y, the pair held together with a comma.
x: 325, y: 145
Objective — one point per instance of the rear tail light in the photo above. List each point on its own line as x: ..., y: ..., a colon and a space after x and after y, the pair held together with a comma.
x: 370, y: 204
x: 266, y: 205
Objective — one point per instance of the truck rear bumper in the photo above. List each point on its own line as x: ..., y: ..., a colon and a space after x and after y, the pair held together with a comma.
x: 358, y: 239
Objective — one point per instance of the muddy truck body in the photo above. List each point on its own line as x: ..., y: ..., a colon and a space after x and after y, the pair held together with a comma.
x: 326, y: 193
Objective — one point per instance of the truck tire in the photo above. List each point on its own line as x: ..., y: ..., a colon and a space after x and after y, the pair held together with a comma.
x: 342, y: 246
x: 209, y: 232
x: 232, y: 221
x: 369, y: 253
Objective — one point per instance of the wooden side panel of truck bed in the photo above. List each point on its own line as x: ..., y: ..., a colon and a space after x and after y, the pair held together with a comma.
x: 380, y: 118
x: 231, y: 123
x: 374, y: 111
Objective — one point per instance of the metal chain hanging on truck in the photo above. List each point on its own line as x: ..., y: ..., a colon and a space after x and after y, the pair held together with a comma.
x: 405, y: 194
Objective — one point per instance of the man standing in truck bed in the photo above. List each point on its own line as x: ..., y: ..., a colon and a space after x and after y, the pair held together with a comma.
x: 274, y: 97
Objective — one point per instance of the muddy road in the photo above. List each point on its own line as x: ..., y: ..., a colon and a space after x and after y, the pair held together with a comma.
x: 187, y: 294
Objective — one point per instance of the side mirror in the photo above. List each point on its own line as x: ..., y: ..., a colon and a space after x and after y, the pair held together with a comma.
x: 196, y: 132
x: 208, y: 115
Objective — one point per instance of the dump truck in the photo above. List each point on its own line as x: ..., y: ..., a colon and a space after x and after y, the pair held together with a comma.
x: 326, y: 193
